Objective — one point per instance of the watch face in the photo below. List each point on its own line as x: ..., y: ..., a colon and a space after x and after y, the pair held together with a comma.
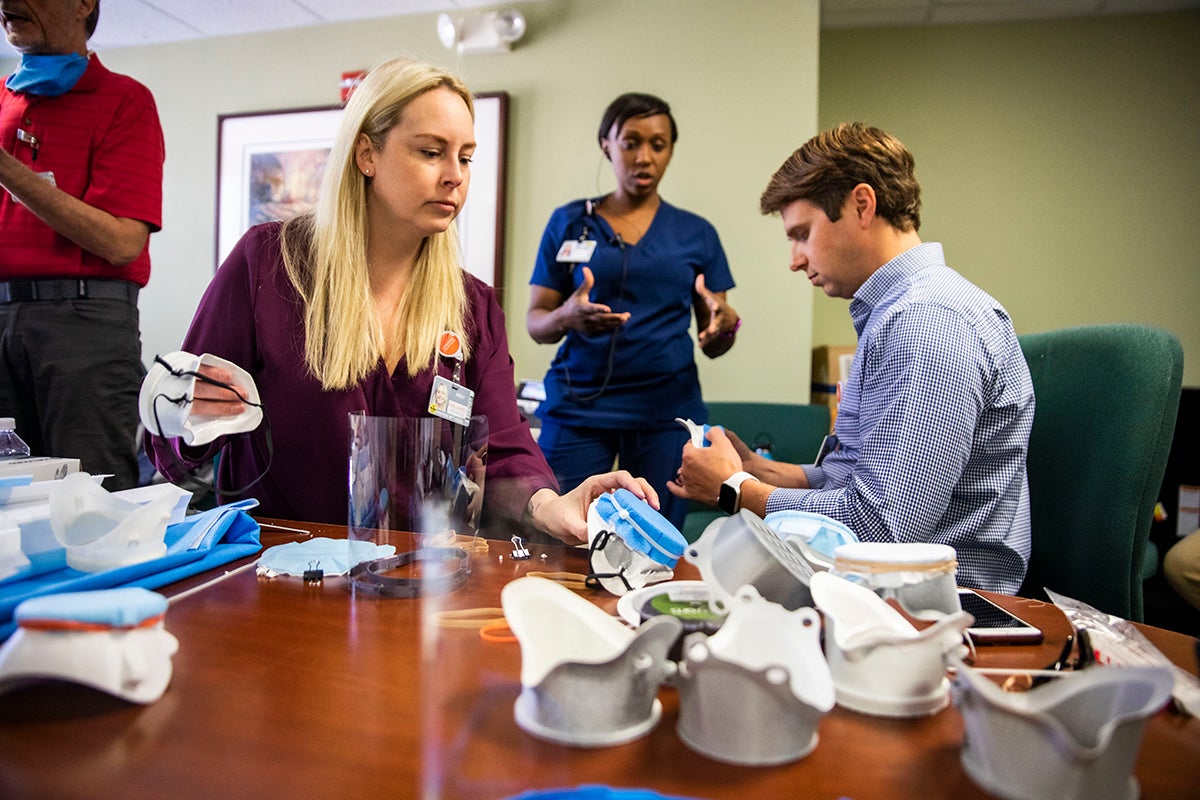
x: 727, y: 500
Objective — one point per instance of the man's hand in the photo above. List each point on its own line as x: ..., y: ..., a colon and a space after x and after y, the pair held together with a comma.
x: 118, y: 240
x: 704, y: 469
x: 768, y: 470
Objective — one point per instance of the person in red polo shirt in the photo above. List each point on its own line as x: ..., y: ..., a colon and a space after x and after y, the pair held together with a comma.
x: 81, y: 161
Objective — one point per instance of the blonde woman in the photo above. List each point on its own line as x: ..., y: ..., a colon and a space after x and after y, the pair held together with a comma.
x: 347, y: 309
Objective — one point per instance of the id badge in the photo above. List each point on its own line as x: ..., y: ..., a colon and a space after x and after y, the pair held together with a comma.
x: 574, y: 251
x: 451, y: 401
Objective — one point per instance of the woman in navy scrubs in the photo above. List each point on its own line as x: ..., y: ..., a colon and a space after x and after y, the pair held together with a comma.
x: 617, y: 280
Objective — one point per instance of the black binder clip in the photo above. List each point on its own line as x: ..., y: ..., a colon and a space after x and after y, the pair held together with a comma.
x: 519, y: 553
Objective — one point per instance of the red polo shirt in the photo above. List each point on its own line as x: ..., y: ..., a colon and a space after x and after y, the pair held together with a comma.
x: 103, y: 143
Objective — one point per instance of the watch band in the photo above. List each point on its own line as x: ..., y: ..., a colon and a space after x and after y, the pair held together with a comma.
x: 730, y: 498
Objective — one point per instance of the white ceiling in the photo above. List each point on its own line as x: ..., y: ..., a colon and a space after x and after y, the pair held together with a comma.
x: 129, y: 23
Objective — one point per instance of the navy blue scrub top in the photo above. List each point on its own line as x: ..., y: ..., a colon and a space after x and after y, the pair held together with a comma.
x: 654, y: 376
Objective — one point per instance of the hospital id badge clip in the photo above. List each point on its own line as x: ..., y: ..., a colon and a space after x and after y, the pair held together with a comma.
x: 451, y: 401
x: 576, y: 251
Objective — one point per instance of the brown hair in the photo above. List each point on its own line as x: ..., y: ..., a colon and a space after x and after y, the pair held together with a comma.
x: 828, y: 166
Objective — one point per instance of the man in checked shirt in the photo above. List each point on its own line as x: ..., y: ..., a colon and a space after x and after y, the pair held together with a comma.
x: 933, y: 426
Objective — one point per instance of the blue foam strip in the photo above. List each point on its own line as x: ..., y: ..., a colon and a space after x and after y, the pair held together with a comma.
x: 650, y: 523
x: 116, y: 608
x: 237, y: 538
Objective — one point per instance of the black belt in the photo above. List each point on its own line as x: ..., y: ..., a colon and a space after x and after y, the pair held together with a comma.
x: 67, y: 289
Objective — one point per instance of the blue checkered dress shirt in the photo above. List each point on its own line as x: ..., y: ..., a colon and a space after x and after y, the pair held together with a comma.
x: 933, y: 425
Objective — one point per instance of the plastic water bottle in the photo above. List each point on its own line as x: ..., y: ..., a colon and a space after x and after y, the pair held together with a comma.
x: 11, y: 445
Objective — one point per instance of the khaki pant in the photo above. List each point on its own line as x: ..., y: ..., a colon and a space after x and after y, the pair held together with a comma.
x: 1182, y: 568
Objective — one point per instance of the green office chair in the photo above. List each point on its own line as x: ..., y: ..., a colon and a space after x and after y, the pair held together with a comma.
x: 1107, y: 398
x: 793, y: 432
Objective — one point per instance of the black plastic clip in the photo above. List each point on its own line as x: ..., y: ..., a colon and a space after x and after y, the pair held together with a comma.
x: 519, y: 553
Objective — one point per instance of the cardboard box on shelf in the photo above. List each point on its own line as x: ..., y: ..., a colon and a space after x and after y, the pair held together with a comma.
x: 830, y: 366
x: 40, y: 468
x: 1187, y: 517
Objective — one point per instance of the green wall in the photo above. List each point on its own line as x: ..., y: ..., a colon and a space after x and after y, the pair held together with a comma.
x: 744, y: 95
x: 1059, y: 161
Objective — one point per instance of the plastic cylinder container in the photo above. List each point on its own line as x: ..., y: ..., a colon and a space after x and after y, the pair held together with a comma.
x: 11, y: 445
x: 920, y: 575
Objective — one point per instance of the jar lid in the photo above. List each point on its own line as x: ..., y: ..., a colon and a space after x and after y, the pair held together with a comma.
x: 869, y: 557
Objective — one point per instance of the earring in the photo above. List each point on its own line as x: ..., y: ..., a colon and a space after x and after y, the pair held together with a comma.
x: 367, y: 173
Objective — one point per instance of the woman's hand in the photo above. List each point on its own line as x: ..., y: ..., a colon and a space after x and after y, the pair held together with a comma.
x: 550, y: 316
x: 216, y: 401
x: 581, y: 314
x: 565, y: 516
x: 716, y: 320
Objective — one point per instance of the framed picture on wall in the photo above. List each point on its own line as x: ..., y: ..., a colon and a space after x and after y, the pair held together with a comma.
x: 270, y: 164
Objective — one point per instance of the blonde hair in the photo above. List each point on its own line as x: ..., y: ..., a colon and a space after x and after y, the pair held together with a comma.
x: 325, y: 251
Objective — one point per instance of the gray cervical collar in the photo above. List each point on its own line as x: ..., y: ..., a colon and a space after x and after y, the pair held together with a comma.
x: 608, y: 703
x: 717, y: 698
x: 746, y: 700
x: 741, y: 550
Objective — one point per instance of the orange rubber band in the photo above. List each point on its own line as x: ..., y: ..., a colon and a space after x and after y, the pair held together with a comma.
x: 89, y: 627
x: 575, y: 581
x: 486, y: 632
x: 467, y: 617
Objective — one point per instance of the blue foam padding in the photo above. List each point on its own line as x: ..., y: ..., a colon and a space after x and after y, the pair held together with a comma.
x: 649, y: 523
x: 704, y: 442
x: 823, y: 533
x: 115, y: 608
x: 235, y: 536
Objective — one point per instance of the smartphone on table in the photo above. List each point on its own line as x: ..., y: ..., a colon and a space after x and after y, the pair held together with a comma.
x: 995, y: 625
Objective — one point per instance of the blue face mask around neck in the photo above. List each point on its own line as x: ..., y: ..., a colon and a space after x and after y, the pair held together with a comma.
x: 48, y: 76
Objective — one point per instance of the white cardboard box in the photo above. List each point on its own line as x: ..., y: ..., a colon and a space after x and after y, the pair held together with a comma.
x: 40, y: 468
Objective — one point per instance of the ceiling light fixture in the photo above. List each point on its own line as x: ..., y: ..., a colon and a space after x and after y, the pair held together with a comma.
x: 492, y: 32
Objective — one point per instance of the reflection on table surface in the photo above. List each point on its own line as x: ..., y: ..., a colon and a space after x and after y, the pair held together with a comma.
x: 283, y: 688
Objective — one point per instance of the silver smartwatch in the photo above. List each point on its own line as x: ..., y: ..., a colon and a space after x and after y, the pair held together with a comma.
x: 730, y: 498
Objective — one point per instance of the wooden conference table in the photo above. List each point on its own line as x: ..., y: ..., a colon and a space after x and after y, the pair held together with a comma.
x: 289, y: 689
